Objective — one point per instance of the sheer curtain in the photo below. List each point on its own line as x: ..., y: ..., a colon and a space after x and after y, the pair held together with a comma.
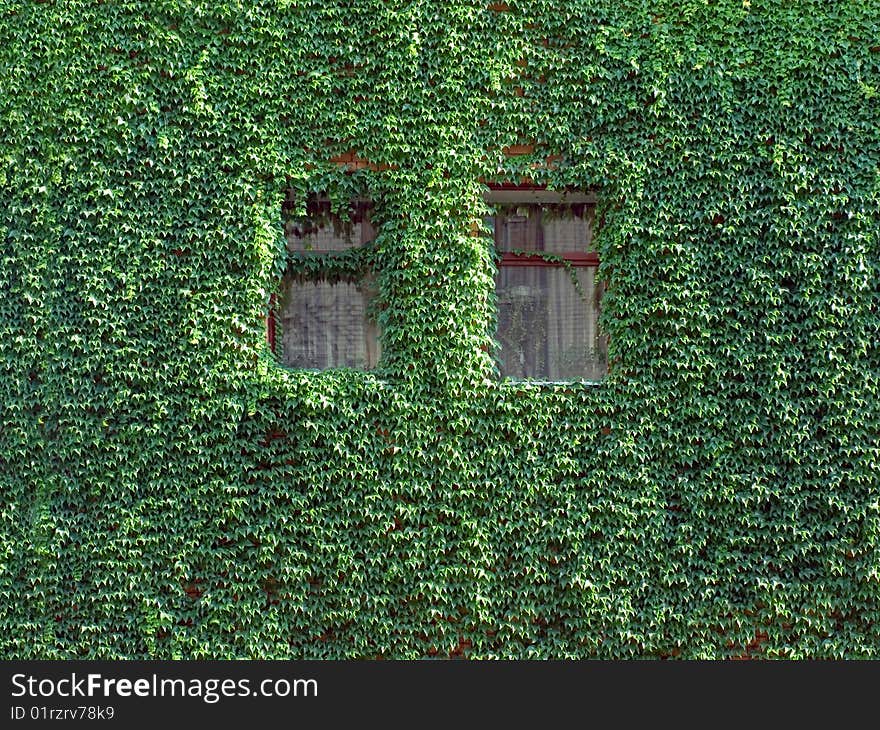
x: 325, y: 325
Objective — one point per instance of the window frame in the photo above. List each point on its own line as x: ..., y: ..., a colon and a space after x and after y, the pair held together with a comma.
x: 367, y: 235
x: 511, y: 194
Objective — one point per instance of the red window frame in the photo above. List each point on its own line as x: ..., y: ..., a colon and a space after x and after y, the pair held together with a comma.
x: 507, y: 194
x: 270, y: 322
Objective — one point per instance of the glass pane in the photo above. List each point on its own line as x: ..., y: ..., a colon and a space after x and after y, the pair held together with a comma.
x: 547, y: 329
x: 326, y: 325
x: 552, y: 228
x: 568, y: 229
x: 518, y: 228
x: 322, y: 230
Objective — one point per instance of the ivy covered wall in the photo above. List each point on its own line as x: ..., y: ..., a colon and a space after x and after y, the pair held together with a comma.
x: 168, y: 490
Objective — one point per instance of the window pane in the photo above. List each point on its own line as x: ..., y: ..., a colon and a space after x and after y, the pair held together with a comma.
x: 547, y: 329
x: 555, y: 228
x: 324, y: 231
x: 326, y: 325
x: 518, y: 228
x: 568, y: 229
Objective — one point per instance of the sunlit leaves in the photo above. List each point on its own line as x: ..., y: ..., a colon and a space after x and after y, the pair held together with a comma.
x: 167, y: 490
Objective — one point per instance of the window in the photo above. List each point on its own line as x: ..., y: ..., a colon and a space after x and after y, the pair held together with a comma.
x: 547, y: 292
x: 327, y: 320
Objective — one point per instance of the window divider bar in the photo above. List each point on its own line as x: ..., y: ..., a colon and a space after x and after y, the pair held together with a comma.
x: 574, y: 258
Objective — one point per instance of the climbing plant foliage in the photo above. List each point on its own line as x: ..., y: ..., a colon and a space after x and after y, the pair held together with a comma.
x: 168, y: 490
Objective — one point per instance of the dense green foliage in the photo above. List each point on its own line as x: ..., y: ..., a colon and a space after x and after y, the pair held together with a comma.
x: 168, y: 490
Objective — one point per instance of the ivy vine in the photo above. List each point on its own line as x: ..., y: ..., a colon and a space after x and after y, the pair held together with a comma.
x: 168, y: 490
